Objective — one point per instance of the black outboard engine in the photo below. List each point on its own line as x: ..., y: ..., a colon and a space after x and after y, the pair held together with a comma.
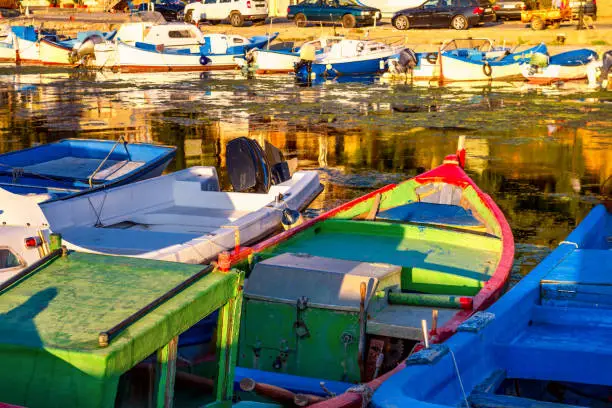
x: 408, y: 59
x: 247, y: 166
x: 606, y: 66
x: 253, y: 169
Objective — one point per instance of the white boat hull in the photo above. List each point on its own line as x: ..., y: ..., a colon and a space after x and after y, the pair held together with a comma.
x: 54, y: 54
x: 270, y: 62
x: 454, y: 69
x: 179, y: 217
x: 133, y: 59
x: 29, y: 51
x: 554, y: 72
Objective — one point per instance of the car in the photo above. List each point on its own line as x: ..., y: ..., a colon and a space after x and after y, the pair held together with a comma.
x: 589, y: 8
x: 170, y: 9
x: 509, y: 9
x: 9, y: 13
x: 236, y: 11
x: 348, y: 12
x: 458, y: 14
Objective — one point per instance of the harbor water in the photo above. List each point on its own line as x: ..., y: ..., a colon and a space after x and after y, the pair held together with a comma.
x: 542, y: 152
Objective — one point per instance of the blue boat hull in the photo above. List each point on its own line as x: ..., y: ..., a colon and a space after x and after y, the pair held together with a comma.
x: 352, y: 68
x: 554, y: 327
x: 47, y: 169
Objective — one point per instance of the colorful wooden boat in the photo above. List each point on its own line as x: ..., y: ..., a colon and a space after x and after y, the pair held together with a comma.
x: 86, y: 330
x: 545, y: 343
x: 566, y: 66
x: 344, y: 295
x: 348, y: 57
x: 73, y: 165
x: 182, y: 216
x: 55, y: 53
x: 472, y: 65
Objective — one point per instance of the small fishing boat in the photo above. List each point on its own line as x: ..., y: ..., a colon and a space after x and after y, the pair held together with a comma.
x: 347, y: 57
x: 141, y: 47
x: 94, y: 331
x: 68, y: 52
x: 566, y: 66
x: 182, y: 216
x: 344, y: 295
x: 274, y: 61
x: 413, y: 66
x: 72, y: 165
x: 545, y: 343
x: 474, y: 65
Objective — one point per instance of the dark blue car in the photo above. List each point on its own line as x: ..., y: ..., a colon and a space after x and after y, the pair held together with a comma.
x: 170, y: 9
x: 348, y: 12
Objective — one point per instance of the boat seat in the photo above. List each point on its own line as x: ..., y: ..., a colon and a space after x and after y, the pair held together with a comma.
x: 563, y: 344
x: 429, y: 213
x: 582, y: 279
x: 123, y: 241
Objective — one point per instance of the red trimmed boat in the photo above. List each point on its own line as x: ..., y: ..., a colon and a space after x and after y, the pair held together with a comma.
x: 344, y: 298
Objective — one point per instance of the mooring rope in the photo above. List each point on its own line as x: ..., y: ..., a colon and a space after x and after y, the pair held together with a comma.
x: 467, y: 404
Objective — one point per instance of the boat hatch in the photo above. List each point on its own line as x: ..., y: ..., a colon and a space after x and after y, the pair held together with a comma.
x: 328, y: 283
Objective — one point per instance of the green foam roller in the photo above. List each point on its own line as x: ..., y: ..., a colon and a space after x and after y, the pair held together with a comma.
x: 425, y: 299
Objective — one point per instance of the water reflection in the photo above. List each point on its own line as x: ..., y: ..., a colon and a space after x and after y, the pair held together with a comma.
x: 541, y: 152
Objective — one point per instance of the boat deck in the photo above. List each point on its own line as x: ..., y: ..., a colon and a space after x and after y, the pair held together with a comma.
x: 83, y: 167
x: 433, y: 261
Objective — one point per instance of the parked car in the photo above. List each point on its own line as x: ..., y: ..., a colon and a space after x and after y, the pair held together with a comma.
x: 236, y: 11
x: 349, y: 12
x: 589, y: 7
x: 458, y: 14
x: 509, y: 9
x: 9, y: 13
x: 170, y: 9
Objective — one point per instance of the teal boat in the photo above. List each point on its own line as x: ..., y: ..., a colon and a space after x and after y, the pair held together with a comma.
x: 86, y: 330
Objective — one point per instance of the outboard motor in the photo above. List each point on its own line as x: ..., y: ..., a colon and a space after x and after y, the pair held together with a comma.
x: 407, y: 62
x: 86, y: 49
x: 247, y: 166
x: 307, y: 56
x: 606, y: 67
x: 537, y: 61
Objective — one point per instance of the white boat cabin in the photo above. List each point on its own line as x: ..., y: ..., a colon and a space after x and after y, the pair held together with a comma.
x: 354, y: 48
x: 20, y: 247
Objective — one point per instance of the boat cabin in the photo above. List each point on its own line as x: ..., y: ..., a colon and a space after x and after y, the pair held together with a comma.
x: 353, y: 48
x: 20, y: 248
x: 86, y: 330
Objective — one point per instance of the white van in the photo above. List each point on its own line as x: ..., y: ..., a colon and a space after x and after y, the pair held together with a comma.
x: 236, y: 11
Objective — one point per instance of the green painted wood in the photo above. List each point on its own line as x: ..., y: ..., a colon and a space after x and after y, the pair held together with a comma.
x: 228, y: 329
x: 424, y: 299
x: 51, y: 320
x: 434, y: 260
x: 166, y: 370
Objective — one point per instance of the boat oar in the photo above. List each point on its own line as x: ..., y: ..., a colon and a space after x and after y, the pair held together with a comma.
x: 304, y: 400
x: 273, y: 392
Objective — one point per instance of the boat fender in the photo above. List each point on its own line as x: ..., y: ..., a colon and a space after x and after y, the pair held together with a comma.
x: 432, y: 57
x: 204, y: 60
x: 486, y: 68
x: 291, y: 218
x: 329, y: 72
